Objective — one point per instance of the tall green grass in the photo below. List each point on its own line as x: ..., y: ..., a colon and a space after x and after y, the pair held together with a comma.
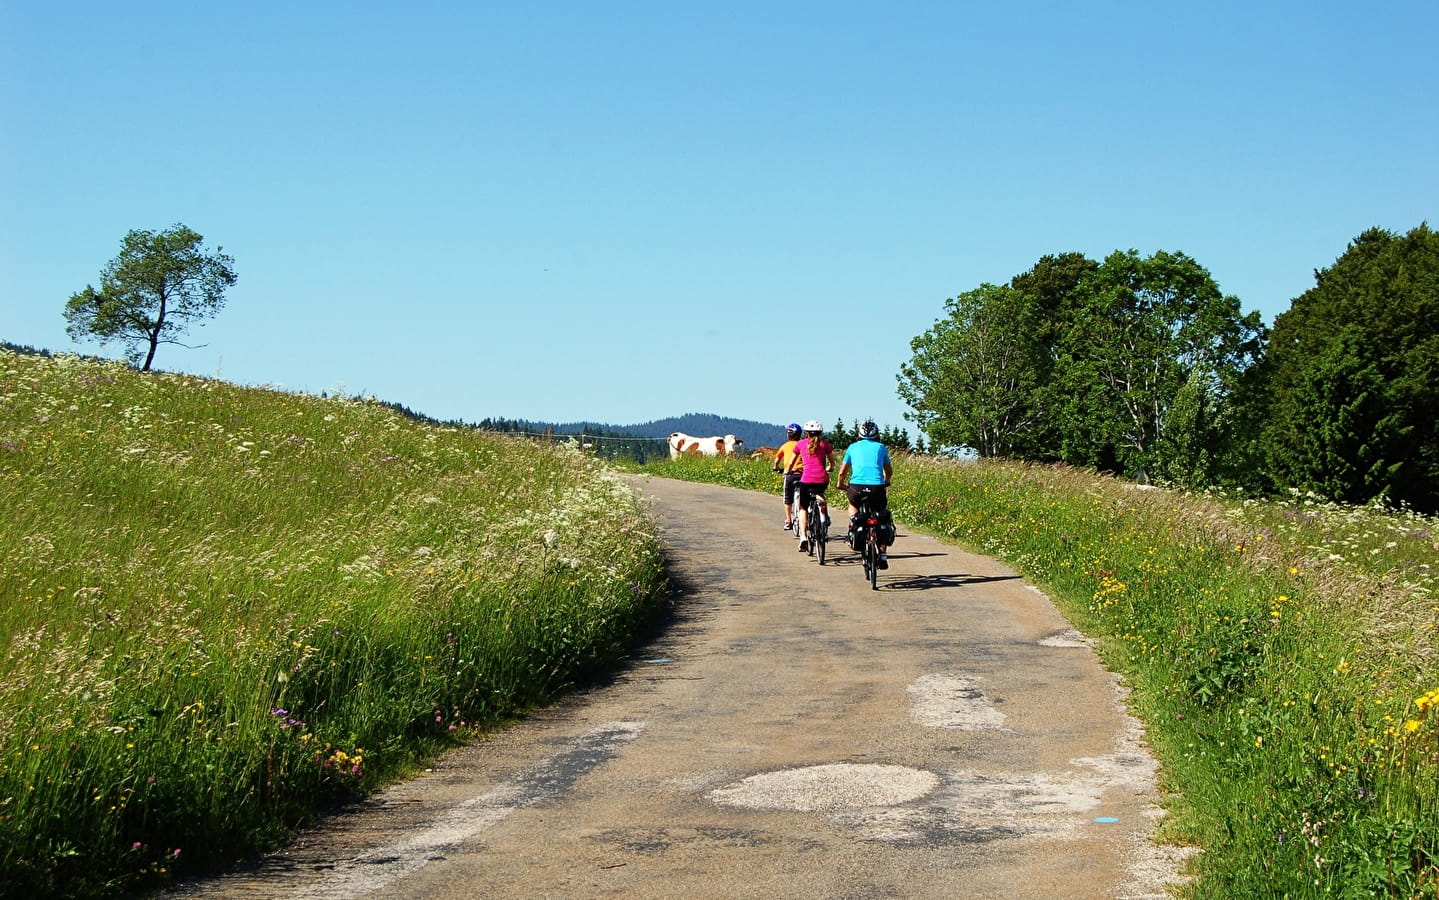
x: 223, y: 608
x: 1282, y: 654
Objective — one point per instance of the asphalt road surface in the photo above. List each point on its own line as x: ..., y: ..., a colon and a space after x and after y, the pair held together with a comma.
x: 791, y: 733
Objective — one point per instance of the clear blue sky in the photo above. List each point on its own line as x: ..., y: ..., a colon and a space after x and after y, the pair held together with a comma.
x: 623, y: 211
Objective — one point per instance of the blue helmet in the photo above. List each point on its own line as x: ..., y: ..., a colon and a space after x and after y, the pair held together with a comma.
x: 792, y: 428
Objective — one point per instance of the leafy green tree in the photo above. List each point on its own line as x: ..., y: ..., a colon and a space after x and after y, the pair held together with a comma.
x: 1190, y: 448
x: 149, y: 294
x: 1127, y: 365
x: 1353, y: 375
x: 1344, y: 452
x: 1142, y: 333
x: 973, y: 376
x: 1052, y: 284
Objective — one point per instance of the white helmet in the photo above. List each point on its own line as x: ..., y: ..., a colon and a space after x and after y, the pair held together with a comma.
x: 813, y: 425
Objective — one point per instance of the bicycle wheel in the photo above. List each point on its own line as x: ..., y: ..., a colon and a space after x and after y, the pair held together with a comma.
x: 814, y: 527
x: 871, y: 561
x: 821, y: 538
x: 809, y: 529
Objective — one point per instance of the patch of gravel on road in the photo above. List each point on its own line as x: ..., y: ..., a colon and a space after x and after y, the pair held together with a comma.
x: 971, y: 807
x: 1068, y: 639
x: 953, y: 701
x: 828, y: 787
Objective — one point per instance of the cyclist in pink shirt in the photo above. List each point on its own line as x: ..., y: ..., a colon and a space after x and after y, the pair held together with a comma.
x: 816, y: 456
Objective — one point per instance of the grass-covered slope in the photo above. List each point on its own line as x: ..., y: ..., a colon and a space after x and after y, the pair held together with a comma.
x: 222, y: 608
x: 1282, y: 654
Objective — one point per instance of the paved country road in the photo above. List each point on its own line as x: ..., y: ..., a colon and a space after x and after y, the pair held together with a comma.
x: 791, y: 733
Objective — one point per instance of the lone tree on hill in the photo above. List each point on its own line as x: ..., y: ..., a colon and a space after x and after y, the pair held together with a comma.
x: 151, y: 292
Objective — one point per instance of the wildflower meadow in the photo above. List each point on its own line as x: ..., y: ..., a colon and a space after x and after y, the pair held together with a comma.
x: 224, y: 608
x: 1281, y: 653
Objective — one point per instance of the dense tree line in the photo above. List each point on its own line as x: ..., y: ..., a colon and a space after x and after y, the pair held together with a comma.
x: 892, y: 436
x: 1142, y: 366
x: 601, y: 440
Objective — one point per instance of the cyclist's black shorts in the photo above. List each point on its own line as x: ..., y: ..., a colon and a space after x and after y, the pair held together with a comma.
x: 875, y: 495
x: 791, y: 483
x: 808, y: 490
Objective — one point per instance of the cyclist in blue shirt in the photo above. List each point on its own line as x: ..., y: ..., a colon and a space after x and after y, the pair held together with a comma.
x: 865, y: 473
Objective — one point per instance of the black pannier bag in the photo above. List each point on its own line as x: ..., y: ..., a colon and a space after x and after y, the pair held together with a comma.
x: 886, y: 527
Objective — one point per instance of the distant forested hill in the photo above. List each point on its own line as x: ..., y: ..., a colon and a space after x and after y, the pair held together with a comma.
x: 754, y: 434
x: 643, y: 441
x: 647, y: 439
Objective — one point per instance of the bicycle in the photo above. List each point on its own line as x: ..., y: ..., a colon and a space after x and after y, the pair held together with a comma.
x: 816, y: 530
x: 866, y: 541
x: 867, y: 528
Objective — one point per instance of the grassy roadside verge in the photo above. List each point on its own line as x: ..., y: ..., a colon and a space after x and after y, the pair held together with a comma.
x: 222, y: 609
x: 1282, y: 655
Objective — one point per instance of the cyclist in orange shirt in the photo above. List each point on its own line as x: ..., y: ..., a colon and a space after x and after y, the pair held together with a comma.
x: 782, y: 459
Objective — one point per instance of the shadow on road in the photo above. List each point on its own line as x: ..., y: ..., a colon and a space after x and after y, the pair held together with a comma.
x: 929, y: 582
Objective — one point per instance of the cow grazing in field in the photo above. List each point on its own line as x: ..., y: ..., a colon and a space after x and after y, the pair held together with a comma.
x: 682, y: 444
x: 768, y: 454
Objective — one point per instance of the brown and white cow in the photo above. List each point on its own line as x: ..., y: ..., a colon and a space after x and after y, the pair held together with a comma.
x: 683, y: 444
